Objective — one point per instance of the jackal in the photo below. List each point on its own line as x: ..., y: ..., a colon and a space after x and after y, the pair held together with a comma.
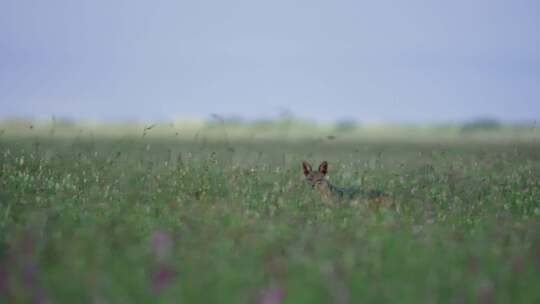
x: 334, y: 194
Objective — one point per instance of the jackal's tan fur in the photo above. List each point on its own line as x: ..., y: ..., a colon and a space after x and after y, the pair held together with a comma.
x: 333, y: 194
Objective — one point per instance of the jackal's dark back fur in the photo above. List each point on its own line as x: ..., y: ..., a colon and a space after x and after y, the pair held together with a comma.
x: 333, y: 194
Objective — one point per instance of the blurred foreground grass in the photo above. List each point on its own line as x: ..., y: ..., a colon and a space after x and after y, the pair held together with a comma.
x: 220, y: 214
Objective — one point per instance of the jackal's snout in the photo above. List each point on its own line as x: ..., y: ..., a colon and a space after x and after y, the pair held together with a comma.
x: 315, y: 177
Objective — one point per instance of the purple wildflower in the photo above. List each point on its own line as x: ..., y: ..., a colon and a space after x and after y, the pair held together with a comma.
x: 162, y: 277
x: 162, y: 245
x: 271, y: 295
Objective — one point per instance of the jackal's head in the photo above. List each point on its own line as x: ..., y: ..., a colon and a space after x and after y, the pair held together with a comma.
x: 315, y: 178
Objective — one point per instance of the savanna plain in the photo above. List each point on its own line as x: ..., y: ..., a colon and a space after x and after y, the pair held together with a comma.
x: 220, y: 213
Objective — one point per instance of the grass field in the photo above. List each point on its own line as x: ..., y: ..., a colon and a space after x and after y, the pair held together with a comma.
x: 222, y: 216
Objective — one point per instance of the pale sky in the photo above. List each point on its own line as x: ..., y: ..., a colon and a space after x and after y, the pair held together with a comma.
x: 399, y: 61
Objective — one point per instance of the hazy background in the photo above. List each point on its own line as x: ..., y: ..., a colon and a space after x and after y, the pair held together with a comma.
x: 397, y: 61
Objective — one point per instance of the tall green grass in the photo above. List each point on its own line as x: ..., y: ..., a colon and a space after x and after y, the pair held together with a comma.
x: 228, y: 219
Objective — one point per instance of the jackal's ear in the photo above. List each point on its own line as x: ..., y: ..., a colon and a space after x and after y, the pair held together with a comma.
x: 323, y: 167
x: 307, y: 167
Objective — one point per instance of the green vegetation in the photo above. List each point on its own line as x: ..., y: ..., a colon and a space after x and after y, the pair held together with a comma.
x: 221, y: 214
